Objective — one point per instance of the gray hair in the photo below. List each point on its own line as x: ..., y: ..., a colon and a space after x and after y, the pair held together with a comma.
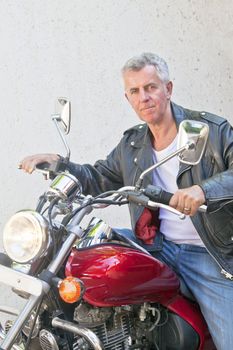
x: 136, y: 63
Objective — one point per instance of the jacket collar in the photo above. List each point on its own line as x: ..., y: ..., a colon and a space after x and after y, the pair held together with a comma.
x: 178, y: 113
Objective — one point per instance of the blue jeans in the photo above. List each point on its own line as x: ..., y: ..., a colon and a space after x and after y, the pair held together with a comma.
x: 203, y: 279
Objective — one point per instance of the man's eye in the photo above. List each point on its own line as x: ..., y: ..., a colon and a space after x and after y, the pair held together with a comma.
x: 133, y: 91
x: 152, y: 87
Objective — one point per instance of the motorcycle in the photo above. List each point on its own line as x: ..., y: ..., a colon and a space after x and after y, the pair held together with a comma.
x: 90, y: 287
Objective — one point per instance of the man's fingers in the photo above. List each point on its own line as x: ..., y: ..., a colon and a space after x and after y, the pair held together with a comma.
x: 188, y: 200
x: 29, y: 163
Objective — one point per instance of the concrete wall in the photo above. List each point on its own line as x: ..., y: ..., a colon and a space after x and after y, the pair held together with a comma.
x: 76, y: 48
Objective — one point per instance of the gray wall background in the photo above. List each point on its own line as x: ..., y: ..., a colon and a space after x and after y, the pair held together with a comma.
x: 75, y: 48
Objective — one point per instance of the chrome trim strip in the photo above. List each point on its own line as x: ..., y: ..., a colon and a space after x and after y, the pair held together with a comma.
x: 74, y: 328
x: 20, y: 281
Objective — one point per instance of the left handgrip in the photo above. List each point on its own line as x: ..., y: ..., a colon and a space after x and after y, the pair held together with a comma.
x: 53, y: 168
x: 45, y: 166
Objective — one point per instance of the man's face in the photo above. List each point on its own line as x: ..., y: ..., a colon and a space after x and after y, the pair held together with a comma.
x: 147, y: 94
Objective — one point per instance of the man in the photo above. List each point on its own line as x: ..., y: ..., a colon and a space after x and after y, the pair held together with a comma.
x: 200, y: 249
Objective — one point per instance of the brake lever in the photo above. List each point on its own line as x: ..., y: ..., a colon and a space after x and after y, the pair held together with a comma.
x: 164, y: 206
x: 202, y: 208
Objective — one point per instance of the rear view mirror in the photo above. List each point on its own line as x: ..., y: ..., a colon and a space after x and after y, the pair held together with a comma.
x: 194, y: 134
x: 192, y: 138
x: 62, y: 119
x: 62, y: 113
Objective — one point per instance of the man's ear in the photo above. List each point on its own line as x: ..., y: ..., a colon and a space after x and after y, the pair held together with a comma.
x: 169, y: 87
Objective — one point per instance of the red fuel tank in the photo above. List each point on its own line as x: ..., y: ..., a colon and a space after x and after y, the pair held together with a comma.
x: 116, y: 275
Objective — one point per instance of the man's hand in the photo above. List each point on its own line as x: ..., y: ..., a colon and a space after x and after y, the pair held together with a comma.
x: 28, y: 164
x: 188, y: 200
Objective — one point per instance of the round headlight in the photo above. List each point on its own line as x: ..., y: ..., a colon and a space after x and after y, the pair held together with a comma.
x: 25, y: 236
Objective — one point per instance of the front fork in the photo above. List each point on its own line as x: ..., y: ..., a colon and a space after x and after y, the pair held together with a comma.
x: 35, y: 287
x: 20, y: 321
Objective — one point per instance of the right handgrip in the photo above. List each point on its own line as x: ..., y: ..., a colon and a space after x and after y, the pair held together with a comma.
x: 157, y: 194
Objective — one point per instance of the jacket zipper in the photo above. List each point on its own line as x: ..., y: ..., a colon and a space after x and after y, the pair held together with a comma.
x: 227, y: 275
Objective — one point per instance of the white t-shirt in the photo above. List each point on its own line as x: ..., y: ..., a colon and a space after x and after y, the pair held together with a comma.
x: 175, y: 230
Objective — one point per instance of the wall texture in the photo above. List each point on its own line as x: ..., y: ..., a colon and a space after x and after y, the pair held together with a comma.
x: 76, y: 48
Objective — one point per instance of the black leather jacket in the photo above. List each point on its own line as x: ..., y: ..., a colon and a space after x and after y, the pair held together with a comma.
x: 214, y: 174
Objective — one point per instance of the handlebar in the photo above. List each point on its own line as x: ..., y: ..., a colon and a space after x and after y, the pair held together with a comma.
x: 153, y: 197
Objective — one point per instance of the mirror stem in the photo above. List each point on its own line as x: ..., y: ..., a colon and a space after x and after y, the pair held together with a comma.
x: 154, y: 166
x: 56, y: 118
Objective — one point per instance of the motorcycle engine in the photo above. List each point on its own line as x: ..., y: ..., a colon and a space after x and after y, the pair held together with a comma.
x: 112, y: 326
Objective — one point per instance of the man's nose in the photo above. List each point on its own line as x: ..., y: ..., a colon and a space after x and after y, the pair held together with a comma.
x: 143, y: 95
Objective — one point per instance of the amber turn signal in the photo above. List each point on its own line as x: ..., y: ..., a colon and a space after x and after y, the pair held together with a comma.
x: 70, y: 289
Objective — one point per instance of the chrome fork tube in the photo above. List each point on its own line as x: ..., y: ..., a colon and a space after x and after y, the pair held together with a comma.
x: 74, y: 234
x: 19, y: 322
x: 2, y: 337
x: 53, y: 268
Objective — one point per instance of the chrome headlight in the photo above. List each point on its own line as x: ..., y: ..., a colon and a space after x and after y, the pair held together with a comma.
x: 25, y: 236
